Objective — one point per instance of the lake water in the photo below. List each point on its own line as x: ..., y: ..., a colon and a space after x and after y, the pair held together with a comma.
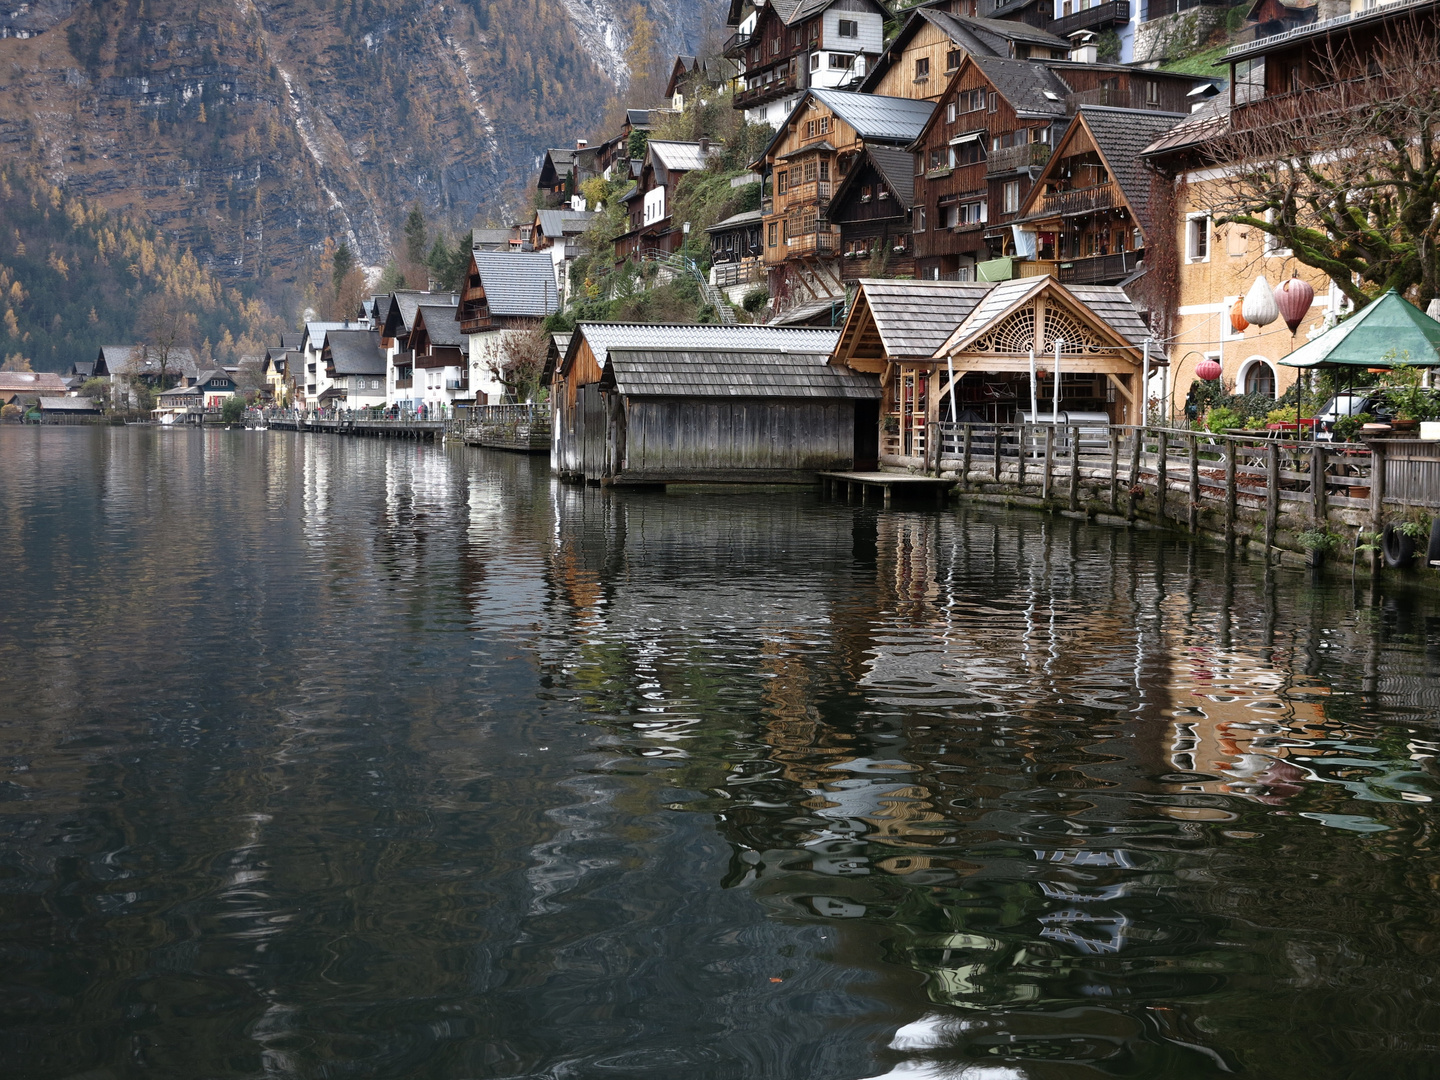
x: 328, y: 757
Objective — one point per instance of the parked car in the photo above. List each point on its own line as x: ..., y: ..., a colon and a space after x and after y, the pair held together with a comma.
x: 1342, y: 405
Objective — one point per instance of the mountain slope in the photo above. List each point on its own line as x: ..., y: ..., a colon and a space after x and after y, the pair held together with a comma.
x: 251, y: 131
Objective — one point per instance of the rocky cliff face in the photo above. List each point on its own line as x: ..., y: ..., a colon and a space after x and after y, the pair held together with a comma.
x: 254, y: 130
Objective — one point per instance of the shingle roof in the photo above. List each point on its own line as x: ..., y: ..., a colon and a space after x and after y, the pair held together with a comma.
x: 1207, y: 122
x: 736, y: 221
x: 890, y: 119
x: 31, y: 382
x: 554, y: 223
x: 136, y: 360
x: 681, y: 156
x: 441, y: 326
x: 1121, y: 135
x: 898, y: 168
x: 356, y: 352
x: 518, y: 283
x: 1108, y: 303
x: 1024, y: 84
x: 405, y: 302
x: 486, y: 237
x: 829, y: 308
x: 994, y: 304
x: 1011, y: 8
x: 728, y: 373
x: 315, y: 332
x: 914, y: 318
x: 602, y: 337
x: 1114, y: 308
x: 67, y: 404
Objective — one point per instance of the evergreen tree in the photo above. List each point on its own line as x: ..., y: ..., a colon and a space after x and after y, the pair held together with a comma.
x: 415, y: 236
x: 341, y: 265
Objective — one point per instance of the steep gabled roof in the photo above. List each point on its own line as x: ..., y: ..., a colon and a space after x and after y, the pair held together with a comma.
x: 896, y: 168
x: 887, y: 119
x: 1032, y: 89
x: 441, y: 326
x: 518, y: 283
x: 1107, y: 305
x: 405, y: 302
x: 976, y: 36
x: 681, y: 156
x: 737, y: 373
x: 1208, y: 122
x: 912, y: 318
x: 137, y: 360
x: 355, y: 352
x: 1121, y: 135
x: 602, y: 337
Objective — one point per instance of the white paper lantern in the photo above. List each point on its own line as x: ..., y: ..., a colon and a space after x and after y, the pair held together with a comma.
x: 1260, y: 308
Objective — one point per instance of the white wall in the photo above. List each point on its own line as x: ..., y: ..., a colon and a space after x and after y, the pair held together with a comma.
x: 365, y: 391
x: 871, y: 28
x: 654, y: 209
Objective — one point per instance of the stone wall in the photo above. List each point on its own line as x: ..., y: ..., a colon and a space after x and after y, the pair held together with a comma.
x: 1176, y: 35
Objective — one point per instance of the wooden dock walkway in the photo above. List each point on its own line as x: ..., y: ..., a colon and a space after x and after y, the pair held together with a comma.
x: 424, y: 430
x: 887, y: 483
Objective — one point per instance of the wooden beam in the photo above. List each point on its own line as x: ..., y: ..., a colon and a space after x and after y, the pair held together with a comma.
x: 1120, y: 386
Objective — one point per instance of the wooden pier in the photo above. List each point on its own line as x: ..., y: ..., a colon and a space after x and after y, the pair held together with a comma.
x: 936, y: 488
x: 423, y: 430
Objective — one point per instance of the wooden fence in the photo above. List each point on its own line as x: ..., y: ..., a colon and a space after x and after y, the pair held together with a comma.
x: 1221, y: 483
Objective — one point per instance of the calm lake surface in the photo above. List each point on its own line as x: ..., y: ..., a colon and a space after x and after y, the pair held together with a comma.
x: 328, y: 757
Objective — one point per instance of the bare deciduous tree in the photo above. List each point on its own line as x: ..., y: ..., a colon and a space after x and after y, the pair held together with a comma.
x: 1345, y: 172
x: 166, y: 326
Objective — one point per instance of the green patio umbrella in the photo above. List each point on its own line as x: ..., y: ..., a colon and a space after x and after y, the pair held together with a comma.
x: 1389, y: 331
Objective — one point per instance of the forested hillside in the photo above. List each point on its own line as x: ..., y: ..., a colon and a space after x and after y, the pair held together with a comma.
x: 252, y: 133
x: 74, y: 276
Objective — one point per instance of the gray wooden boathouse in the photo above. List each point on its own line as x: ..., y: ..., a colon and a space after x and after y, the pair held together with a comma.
x: 674, y: 415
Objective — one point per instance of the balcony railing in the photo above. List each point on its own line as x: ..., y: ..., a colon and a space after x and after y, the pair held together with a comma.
x: 738, y: 273
x: 736, y: 44
x: 766, y: 92
x: 816, y: 243
x: 1100, y: 269
x: 457, y: 384
x: 1100, y: 17
x: 1078, y: 200
x: 1010, y: 159
x: 816, y: 191
x: 404, y: 384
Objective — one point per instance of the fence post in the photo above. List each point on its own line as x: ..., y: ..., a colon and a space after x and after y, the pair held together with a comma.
x: 1114, y: 470
x: 965, y: 459
x: 1194, y: 517
x: 1138, y: 434
x: 1020, y: 457
x: 1074, y: 468
x: 1049, y: 461
x: 1317, y: 483
x: 996, y: 448
x: 1233, y: 449
x: 1162, y: 471
x: 1272, y: 494
x: 1377, y: 497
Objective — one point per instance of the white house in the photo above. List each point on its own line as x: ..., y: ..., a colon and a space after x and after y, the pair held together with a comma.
x: 505, y: 294
x: 558, y: 233
x: 354, y: 368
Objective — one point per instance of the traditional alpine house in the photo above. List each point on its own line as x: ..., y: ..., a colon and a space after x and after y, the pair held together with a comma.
x: 399, y: 315
x: 441, y: 357
x: 557, y: 177
x: 872, y: 208
x: 931, y: 45
x: 785, y: 47
x: 355, y: 369
x: 815, y: 149
x: 558, y: 232
x: 694, y: 80
x: 1087, y: 216
x: 504, y: 295
x: 651, y: 201
x: 735, y: 251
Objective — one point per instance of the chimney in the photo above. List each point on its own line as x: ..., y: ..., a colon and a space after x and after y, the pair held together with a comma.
x: 1083, y: 49
x: 580, y: 144
x: 704, y: 145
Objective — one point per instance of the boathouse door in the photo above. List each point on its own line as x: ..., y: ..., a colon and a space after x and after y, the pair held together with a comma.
x: 867, y: 436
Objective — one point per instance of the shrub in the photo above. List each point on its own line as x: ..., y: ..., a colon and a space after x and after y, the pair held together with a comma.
x: 1220, y: 418
x: 756, y: 299
x: 232, y: 409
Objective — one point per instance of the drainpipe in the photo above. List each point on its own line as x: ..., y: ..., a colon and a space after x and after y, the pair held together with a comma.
x: 1145, y: 385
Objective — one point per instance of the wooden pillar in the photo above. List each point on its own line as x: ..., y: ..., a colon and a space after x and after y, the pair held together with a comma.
x: 965, y: 458
x: 1194, y: 516
x: 1377, y: 498
x: 1048, y: 479
x: 1272, y: 493
x: 1317, y: 482
x: 1114, y: 471
x: 887, y: 496
x: 1162, y: 472
x: 1230, y: 454
x: 1138, y: 434
x: 1020, y: 456
x: 996, y: 449
x: 1074, y: 468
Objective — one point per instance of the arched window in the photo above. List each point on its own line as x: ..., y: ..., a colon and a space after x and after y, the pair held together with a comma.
x: 1258, y: 377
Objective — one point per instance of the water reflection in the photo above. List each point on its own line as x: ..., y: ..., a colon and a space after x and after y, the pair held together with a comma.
x: 339, y: 757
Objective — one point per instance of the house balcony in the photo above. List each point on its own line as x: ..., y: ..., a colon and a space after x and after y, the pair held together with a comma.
x: 1099, y: 18
x: 811, y: 245
x: 475, y: 322
x: 1012, y: 159
x: 404, y: 384
x: 736, y: 44
x: 1079, y: 200
x: 453, y: 385
x: 1100, y: 269
x: 767, y: 92
x: 815, y: 193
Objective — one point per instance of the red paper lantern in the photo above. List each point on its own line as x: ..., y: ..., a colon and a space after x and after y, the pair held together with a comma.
x: 1294, y: 298
x: 1207, y: 370
x: 1238, y: 322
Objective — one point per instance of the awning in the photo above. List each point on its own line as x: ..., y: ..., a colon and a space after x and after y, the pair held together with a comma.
x: 969, y: 136
x: 1388, y: 332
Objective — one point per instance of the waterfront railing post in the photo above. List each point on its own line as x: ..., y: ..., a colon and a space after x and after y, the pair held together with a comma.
x: 1272, y: 494
x: 1074, y: 468
x: 965, y: 458
x: 1233, y: 449
x: 995, y: 440
x: 1377, y: 497
x: 1136, y: 445
x: 1021, y: 445
x: 1047, y: 481
x: 1317, y: 483
x: 1162, y: 473
x: 1114, y: 470
x: 1194, y: 515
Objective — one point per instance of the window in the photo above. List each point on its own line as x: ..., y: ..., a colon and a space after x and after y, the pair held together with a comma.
x: 971, y: 100
x: 849, y: 28
x: 770, y: 237
x: 952, y: 59
x: 1152, y: 92
x: 919, y: 219
x: 969, y: 152
x: 1272, y: 243
x: 994, y: 102
x: 782, y: 179
x: 950, y: 113
x: 824, y: 168
x: 1012, y: 197
x: 1197, y: 238
x: 775, y: 46
x: 815, y: 61
x: 919, y: 162
x: 810, y: 172
x: 922, y: 68
x: 841, y: 60
x: 1259, y: 378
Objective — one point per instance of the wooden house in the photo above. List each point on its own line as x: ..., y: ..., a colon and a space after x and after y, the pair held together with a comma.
x: 27, y: 387
x: 1087, y: 215
x: 399, y: 319
x: 735, y: 250
x: 574, y: 380
x: 790, y: 47
x: 872, y: 209
x: 355, y: 368
x: 651, y: 201
x: 915, y: 334
x: 694, y: 80
x: 557, y: 177
x: 929, y: 48
x: 814, y: 150
x: 68, y: 410
x: 504, y: 295
x: 558, y: 232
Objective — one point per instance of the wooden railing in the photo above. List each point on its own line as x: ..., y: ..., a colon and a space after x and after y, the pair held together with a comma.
x: 1014, y: 158
x: 1078, y: 200
x: 1102, y: 16
x: 816, y: 243
x: 1215, y: 476
x: 1099, y: 269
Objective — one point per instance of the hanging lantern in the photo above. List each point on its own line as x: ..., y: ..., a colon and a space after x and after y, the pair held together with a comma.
x: 1259, y: 308
x: 1238, y: 322
x: 1293, y: 299
x: 1207, y: 370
